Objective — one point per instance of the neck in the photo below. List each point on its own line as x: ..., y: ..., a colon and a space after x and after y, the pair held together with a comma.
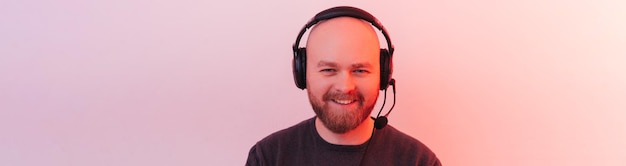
x: 356, y: 136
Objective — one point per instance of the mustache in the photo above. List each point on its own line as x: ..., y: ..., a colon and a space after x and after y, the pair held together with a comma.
x: 353, y: 95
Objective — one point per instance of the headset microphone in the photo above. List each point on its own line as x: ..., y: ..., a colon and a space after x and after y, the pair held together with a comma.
x: 381, y: 121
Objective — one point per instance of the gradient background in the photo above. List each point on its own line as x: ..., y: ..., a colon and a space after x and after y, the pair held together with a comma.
x: 191, y: 82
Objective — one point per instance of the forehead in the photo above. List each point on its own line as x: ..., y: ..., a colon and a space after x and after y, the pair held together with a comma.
x: 343, y: 40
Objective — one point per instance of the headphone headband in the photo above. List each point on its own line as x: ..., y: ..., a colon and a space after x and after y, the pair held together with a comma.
x: 344, y: 11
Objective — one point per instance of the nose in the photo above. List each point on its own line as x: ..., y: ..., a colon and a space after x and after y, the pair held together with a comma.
x: 345, y: 83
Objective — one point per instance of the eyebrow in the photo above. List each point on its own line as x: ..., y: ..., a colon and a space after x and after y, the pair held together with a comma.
x: 326, y: 64
x: 362, y: 65
x: 332, y: 64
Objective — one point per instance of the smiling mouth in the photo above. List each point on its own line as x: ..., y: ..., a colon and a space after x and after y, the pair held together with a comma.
x: 343, y: 102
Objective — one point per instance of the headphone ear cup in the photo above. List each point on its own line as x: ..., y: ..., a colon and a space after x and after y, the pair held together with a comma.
x: 386, y: 68
x: 299, y: 67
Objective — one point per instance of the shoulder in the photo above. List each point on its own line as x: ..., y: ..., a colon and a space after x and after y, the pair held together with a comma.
x: 287, y: 139
x: 299, y: 130
x: 398, y: 138
x: 401, y: 144
x: 285, y: 142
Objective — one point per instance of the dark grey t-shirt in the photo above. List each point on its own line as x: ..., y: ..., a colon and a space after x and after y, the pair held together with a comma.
x: 301, y: 145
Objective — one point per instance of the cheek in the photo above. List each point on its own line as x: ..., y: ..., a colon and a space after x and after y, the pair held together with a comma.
x: 317, y: 86
x: 369, y: 87
x: 371, y: 82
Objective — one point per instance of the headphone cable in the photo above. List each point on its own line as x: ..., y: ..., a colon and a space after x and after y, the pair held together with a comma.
x: 374, y: 128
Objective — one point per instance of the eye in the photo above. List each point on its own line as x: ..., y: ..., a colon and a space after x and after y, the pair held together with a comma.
x: 361, y: 71
x: 327, y: 70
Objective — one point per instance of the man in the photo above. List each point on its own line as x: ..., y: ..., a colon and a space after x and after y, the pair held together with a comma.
x: 343, y: 70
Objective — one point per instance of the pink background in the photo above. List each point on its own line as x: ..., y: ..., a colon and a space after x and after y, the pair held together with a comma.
x: 190, y: 82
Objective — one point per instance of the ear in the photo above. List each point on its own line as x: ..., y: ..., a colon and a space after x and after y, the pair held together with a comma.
x: 299, y: 67
x: 386, y: 68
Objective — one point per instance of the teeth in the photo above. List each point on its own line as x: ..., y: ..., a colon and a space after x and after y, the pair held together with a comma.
x: 344, y: 101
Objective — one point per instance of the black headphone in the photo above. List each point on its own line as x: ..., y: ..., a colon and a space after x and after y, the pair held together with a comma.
x: 299, y: 53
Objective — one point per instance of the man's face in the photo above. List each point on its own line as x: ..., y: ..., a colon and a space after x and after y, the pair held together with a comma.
x: 343, y: 72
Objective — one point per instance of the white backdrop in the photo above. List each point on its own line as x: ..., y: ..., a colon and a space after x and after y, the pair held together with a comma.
x: 193, y: 82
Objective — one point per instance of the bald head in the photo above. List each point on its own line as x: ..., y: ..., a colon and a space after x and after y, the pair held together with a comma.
x: 342, y: 33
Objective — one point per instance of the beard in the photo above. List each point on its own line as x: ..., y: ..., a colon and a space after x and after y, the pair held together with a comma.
x: 341, y: 121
